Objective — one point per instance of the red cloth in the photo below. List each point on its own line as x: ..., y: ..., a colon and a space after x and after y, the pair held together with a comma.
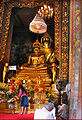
x: 16, y: 116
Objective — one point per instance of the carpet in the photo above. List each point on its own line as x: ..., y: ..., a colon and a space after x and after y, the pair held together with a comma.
x: 5, y: 116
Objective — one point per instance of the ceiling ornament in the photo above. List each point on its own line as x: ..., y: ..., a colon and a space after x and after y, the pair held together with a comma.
x: 45, y: 11
x: 38, y: 25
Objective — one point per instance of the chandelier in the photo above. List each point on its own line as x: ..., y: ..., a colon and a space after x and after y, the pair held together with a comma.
x: 38, y: 25
x: 46, y: 11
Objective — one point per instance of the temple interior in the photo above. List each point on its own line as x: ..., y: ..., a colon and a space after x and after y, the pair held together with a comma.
x: 41, y: 49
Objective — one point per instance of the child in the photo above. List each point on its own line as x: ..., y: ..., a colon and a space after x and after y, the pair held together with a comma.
x: 24, y: 99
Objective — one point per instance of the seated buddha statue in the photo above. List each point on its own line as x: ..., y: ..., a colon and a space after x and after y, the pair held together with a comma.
x: 49, y: 54
x: 36, y: 58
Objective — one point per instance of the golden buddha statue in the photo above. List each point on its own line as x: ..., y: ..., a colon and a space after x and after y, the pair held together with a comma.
x: 42, y: 53
x: 5, y: 71
x: 36, y: 58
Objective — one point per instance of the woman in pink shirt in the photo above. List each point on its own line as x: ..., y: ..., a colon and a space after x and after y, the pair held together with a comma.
x: 24, y: 99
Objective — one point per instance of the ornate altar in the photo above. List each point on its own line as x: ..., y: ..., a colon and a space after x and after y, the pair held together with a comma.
x: 36, y: 70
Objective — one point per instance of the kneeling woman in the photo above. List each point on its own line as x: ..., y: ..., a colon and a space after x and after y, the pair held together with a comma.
x: 24, y: 99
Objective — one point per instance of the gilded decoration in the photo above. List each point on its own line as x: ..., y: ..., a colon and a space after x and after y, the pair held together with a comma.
x: 57, y: 28
x: 64, y: 60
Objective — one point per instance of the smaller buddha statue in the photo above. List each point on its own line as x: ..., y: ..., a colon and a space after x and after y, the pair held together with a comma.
x: 54, y: 71
x: 5, y: 71
x: 36, y: 57
x: 33, y: 59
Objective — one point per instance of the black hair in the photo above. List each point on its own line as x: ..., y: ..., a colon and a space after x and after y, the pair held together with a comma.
x: 22, y: 88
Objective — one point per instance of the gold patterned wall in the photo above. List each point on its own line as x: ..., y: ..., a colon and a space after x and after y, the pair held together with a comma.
x: 64, y: 58
x: 61, y: 35
x: 57, y: 27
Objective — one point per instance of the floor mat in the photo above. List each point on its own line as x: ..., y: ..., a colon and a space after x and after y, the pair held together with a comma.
x: 5, y: 116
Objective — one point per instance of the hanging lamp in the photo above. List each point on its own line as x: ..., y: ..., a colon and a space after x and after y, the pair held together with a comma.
x: 38, y: 25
